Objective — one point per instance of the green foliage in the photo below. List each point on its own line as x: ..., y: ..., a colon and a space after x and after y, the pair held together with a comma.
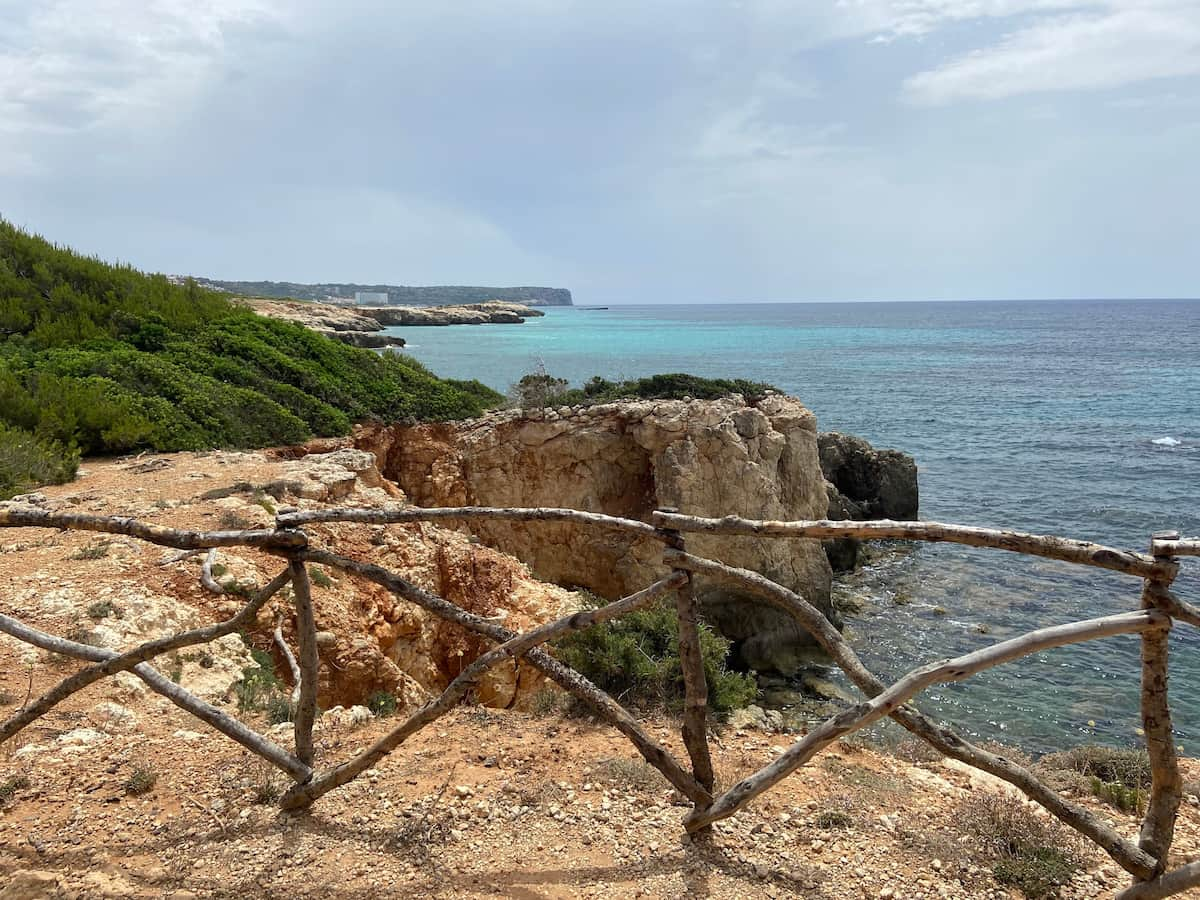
x: 319, y: 578
x: 11, y: 785
x: 102, y: 609
x: 27, y: 461
x: 100, y: 358
x: 1039, y: 872
x: 636, y: 658
x: 541, y: 389
x: 1126, y: 799
x: 831, y: 819
x: 1037, y: 856
x: 98, y: 550
x: 141, y: 780
x: 1128, y: 767
x: 280, y: 709
x: 382, y: 703
x: 259, y: 684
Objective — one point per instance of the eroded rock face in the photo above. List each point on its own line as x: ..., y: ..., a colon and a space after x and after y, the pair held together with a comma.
x: 864, y: 483
x: 627, y: 459
x: 874, y: 484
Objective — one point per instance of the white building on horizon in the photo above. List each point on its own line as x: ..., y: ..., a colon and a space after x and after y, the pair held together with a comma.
x: 370, y: 298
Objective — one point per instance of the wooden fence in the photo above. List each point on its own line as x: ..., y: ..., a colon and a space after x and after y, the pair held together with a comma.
x: 1144, y: 859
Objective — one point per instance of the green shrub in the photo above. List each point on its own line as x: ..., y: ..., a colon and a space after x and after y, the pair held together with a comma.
x: 97, y: 358
x: 11, y: 785
x: 636, y: 658
x: 1036, y: 855
x: 319, y: 578
x: 98, y: 550
x: 141, y: 780
x: 102, y: 609
x: 382, y: 703
x: 1129, y: 767
x: 831, y: 819
x: 258, y: 683
x: 27, y: 461
x: 1126, y: 799
x: 541, y: 389
x: 280, y: 709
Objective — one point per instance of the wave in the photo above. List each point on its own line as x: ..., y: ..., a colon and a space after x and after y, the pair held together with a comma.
x: 1167, y: 442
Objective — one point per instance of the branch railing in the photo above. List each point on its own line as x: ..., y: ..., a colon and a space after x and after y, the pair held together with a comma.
x: 1146, y: 859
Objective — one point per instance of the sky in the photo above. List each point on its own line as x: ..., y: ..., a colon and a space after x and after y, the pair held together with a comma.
x: 645, y: 151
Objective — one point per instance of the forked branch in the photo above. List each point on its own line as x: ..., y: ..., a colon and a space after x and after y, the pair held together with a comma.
x: 888, y: 701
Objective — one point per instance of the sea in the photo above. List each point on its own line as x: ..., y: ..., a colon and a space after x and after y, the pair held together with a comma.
x: 1077, y: 418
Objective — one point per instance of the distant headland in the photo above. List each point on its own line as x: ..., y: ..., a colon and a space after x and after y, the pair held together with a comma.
x: 404, y: 295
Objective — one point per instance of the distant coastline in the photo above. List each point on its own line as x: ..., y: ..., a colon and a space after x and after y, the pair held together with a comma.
x: 401, y: 295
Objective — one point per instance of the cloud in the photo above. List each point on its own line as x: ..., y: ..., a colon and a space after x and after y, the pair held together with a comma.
x: 72, y: 65
x: 1071, y: 53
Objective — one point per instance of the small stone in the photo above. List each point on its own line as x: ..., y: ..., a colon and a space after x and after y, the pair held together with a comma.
x: 463, y: 790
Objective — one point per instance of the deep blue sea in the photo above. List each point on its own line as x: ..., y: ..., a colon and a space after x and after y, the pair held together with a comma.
x: 1076, y: 418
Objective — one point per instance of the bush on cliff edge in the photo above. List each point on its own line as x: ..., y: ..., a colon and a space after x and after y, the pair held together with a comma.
x: 636, y: 659
x: 540, y: 389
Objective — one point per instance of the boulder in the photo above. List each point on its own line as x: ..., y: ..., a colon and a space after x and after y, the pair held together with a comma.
x: 862, y: 483
x: 714, y: 457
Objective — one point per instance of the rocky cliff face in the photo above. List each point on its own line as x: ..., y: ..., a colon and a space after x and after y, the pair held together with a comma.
x: 702, y: 457
x: 864, y: 483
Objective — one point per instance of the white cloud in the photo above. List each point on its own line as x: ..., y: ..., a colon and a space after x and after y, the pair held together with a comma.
x: 71, y: 64
x: 1069, y: 53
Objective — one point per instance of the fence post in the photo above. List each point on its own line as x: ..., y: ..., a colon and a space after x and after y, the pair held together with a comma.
x: 306, y: 640
x: 1166, y: 789
x: 695, y: 685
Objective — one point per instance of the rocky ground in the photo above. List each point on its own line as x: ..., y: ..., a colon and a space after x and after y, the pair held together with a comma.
x: 117, y: 793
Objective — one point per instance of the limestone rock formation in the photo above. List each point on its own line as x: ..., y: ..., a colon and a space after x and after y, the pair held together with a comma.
x: 703, y: 457
x: 864, y: 483
x: 493, y: 312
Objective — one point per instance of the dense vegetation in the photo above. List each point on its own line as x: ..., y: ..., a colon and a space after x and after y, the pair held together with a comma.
x: 403, y: 295
x: 542, y: 389
x: 636, y: 659
x: 100, y: 358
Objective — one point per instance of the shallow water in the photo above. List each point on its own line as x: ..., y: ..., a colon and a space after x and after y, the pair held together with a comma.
x: 1079, y: 418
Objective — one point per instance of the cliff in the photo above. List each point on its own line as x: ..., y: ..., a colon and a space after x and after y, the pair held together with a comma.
x: 436, y: 295
x: 702, y: 457
x: 360, y: 325
x: 493, y: 312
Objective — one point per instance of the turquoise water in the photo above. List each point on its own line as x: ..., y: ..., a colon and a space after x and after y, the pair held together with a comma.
x: 1035, y: 416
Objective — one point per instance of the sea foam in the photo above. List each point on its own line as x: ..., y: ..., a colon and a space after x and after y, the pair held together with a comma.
x: 1167, y: 442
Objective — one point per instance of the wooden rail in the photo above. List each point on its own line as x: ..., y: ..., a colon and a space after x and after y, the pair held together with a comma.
x: 1146, y: 860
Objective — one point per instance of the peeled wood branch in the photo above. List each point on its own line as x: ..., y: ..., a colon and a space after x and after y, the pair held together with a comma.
x: 887, y: 701
x: 695, y: 685
x: 20, y: 517
x: 1126, y: 854
x: 289, y: 658
x: 1174, y: 882
x: 567, y: 678
x: 1175, y: 607
x: 1168, y: 547
x: 131, y: 658
x: 305, y: 794
x: 1166, y: 785
x: 309, y: 662
x: 463, y: 513
x: 182, y: 698
x: 1048, y: 546
x: 206, y: 576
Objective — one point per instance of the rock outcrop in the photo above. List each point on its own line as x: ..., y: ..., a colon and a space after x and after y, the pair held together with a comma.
x: 703, y: 457
x: 864, y: 483
x: 337, y: 322
x: 494, y: 312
